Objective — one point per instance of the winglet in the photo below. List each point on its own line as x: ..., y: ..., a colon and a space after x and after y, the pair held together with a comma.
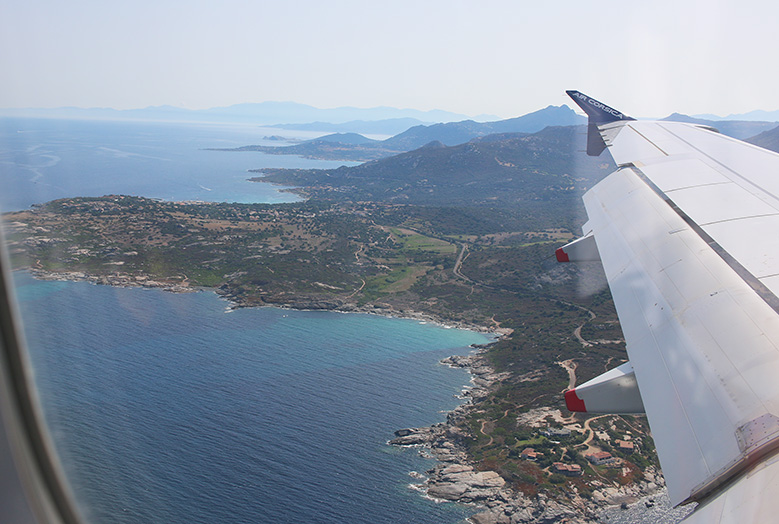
x: 597, y: 113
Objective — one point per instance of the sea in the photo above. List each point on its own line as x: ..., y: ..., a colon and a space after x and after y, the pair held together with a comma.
x: 176, y: 408
x: 172, y: 408
x: 47, y: 159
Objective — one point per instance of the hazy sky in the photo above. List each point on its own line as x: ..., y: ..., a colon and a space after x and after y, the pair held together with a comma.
x: 498, y: 57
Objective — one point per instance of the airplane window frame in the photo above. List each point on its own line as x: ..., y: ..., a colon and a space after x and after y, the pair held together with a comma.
x: 34, y: 487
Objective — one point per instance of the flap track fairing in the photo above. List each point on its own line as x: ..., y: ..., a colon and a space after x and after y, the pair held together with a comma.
x: 614, y: 392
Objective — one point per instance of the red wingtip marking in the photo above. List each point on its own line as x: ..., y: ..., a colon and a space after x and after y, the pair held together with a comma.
x: 561, y: 255
x: 573, y: 402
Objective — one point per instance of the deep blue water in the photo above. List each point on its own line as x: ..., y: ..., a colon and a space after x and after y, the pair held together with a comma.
x: 41, y: 160
x: 165, y: 408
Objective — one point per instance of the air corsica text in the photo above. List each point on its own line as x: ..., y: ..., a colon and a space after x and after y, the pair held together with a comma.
x: 598, y: 105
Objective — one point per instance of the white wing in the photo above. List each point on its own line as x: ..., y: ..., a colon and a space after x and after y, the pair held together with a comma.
x: 687, y: 231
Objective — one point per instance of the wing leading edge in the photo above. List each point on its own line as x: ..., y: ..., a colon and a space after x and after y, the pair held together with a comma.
x: 685, y: 230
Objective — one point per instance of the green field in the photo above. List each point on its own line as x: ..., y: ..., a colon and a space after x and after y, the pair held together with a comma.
x: 411, y: 241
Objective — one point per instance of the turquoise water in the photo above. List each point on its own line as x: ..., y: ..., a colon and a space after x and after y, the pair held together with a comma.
x: 167, y: 408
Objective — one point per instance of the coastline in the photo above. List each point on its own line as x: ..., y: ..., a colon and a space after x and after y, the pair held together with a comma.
x: 454, y: 478
x: 301, y: 304
x: 116, y: 280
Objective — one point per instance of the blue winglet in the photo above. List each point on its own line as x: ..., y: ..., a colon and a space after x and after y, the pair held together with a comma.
x: 597, y: 113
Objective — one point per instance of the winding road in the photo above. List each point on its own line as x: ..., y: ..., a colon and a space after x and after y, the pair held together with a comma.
x: 459, y: 263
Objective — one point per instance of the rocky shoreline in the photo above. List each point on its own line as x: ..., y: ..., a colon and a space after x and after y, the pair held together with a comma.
x: 455, y: 479
x: 116, y: 280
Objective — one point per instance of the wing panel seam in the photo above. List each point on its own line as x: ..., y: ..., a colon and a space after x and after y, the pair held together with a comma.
x: 746, y: 461
x: 736, y: 219
x: 695, y: 186
x: 751, y: 280
x: 730, y: 170
x: 642, y: 135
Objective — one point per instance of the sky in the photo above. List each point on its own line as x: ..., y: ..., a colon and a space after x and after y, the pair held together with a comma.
x: 504, y: 58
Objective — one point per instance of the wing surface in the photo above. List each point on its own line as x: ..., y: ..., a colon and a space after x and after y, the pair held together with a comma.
x: 686, y: 230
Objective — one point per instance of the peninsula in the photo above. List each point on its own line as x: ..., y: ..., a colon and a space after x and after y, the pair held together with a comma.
x: 462, y: 235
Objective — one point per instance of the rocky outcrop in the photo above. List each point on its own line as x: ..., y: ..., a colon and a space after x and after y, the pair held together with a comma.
x: 511, y: 507
x: 461, y: 483
x: 517, y: 509
x: 456, y: 479
x: 483, y: 376
x: 606, y: 495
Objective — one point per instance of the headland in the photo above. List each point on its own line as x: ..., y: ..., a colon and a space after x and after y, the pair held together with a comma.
x: 340, y: 257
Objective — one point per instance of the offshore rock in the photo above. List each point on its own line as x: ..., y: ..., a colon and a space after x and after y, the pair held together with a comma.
x: 417, y: 436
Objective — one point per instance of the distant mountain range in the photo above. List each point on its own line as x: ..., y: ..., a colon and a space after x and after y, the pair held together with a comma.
x: 767, y: 139
x: 741, y: 129
x: 264, y: 113
x: 355, y: 147
x: 388, y: 126
x: 470, y: 128
x: 454, y: 133
x: 410, y: 128
x: 757, y: 115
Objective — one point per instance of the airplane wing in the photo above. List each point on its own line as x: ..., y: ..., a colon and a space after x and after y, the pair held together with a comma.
x: 687, y: 230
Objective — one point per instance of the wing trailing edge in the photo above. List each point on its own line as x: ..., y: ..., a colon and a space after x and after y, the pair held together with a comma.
x: 686, y: 233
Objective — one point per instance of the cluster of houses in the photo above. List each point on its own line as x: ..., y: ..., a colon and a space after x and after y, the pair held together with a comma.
x: 570, y: 470
x: 600, y: 458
